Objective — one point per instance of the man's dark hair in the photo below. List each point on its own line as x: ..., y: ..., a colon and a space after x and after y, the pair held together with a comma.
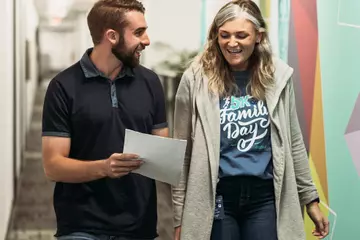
x: 109, y: 14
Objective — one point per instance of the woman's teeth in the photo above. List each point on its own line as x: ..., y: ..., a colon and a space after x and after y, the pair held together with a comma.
x: 234, y: 50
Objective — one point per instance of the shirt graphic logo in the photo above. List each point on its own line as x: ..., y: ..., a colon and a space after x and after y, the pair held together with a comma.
x: 245, y: 122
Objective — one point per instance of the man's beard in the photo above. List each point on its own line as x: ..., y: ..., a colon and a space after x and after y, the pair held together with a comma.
x: 126, y: 56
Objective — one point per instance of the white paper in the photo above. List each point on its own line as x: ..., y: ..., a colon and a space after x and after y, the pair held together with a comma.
x: 163, y: 157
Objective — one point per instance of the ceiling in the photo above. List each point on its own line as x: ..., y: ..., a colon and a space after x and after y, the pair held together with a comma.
x: 59, y: 15
x: 60, y: 12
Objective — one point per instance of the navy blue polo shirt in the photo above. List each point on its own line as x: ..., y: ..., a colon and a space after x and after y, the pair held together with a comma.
x: 81, y: 103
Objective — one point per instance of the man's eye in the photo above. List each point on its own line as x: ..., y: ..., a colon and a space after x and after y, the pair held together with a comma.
x: 139, y: 33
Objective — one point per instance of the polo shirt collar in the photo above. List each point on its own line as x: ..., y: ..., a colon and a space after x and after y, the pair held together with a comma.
x: 91, y: 71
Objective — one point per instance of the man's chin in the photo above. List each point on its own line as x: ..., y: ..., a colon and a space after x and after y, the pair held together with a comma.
x: 131, y: 62
x: 135, y: 62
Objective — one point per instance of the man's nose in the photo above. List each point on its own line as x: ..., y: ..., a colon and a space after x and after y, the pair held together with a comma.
x: 145, y: 40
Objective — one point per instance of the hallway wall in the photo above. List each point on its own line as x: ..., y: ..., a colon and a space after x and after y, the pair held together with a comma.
x: 7, y: 119
x: 82, y: 36
x: 18, y: 68
x: 52, y: 42
x: 174, y: 34
x: 339, y: 37
x: 31, y: 62
x: 319, y: 39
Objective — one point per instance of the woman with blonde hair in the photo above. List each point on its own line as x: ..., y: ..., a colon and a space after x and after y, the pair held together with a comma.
x: 246, y: 174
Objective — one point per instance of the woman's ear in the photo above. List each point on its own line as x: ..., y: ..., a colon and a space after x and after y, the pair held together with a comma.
x: 260, y: 35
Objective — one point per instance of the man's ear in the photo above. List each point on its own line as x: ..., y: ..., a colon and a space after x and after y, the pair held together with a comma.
x: 112, y: 36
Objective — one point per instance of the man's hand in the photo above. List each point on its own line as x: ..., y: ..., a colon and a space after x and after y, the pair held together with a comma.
x: 177, y: 233
x: 121, y: 164
x: 321, y: 222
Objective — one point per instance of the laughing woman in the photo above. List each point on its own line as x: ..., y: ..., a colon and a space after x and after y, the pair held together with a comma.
x: 246, y: 174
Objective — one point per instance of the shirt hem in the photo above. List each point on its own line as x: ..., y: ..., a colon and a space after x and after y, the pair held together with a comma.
x: 160, y: 125
x: 67, y: 231
x: 55, y: 134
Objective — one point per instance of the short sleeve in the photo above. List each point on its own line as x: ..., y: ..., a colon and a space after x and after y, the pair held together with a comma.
x: 160, y: 109
x: 56, y: 118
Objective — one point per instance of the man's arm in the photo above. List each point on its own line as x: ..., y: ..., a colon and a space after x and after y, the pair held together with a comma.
x: 60, y: 168
x: 162, y: 132
x: 56, y: 141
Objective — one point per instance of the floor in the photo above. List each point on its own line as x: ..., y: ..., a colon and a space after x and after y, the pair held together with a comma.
x: 33, y: 215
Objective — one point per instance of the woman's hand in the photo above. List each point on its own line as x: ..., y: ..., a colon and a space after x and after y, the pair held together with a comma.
x: 321, y: 222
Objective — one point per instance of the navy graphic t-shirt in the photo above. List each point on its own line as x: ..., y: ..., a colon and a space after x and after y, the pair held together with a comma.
x: 245, y: 146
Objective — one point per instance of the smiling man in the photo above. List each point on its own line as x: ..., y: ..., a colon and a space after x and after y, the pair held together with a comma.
x: 86, y: 111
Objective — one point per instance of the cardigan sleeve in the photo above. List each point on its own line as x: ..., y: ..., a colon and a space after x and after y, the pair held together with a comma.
x: 182, y: 130
x: 306, y: 188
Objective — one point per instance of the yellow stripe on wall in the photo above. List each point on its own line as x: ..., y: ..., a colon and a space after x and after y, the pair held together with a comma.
x: 309, y: 226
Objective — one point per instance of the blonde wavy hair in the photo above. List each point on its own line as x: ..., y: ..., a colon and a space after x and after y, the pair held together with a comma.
x: 214, y: 64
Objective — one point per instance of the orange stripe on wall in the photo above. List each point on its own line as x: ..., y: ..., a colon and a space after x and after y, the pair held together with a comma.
x: 317, y: 137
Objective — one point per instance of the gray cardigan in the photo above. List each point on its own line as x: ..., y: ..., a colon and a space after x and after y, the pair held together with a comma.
x: 197, y: 119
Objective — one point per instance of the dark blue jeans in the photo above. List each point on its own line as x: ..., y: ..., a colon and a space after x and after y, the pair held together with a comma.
x: 249, y: 207
x: 87, y: 236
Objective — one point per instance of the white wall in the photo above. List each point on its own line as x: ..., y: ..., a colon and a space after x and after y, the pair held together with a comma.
x: 19, y: 88
x: 6, y: 109
x: 66, y: 47
x: 172, y: 22
x: 32, y: 21
x: 81, y: 35
x: 17, y: 95
x: 60, y: 47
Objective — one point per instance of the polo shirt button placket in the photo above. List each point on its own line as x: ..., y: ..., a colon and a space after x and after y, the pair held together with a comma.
x: 114, y: 100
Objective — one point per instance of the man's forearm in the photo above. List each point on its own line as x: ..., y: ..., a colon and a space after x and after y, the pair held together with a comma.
x: 62, y: 169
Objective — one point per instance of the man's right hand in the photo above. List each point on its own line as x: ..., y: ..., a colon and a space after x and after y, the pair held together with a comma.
x: 177, y: 233
x: 121, y: 164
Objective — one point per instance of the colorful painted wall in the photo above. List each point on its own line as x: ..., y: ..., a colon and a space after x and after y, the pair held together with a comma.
x: 320, y: 39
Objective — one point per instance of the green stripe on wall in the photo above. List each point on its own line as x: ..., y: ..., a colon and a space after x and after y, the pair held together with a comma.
x: 339, y: 51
